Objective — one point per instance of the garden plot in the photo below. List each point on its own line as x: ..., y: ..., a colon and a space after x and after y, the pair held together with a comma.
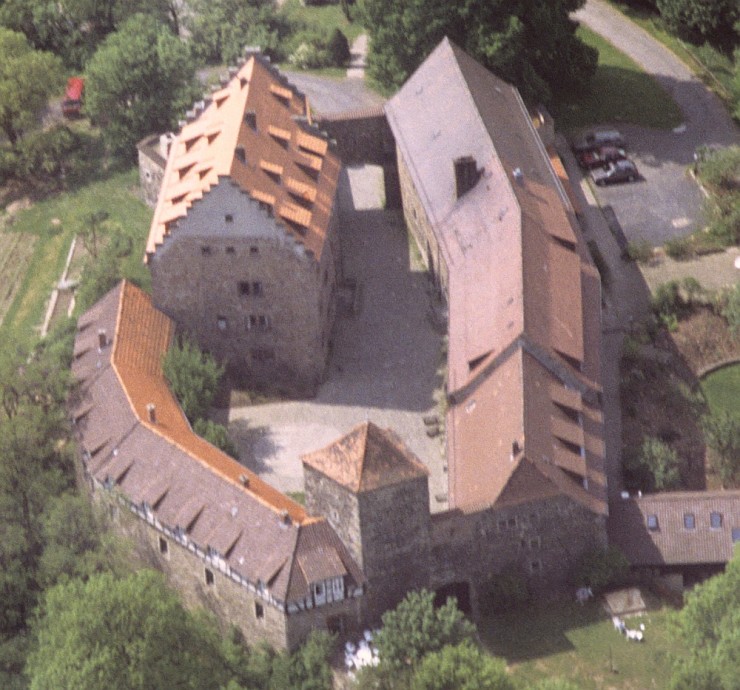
x: 16, y: 250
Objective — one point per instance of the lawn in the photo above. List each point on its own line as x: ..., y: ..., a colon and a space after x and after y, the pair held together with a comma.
x: 619, y: 92
x: 722, y: 388
x: 49, y: 226
x: 323, y: 18
x: 579, y: 643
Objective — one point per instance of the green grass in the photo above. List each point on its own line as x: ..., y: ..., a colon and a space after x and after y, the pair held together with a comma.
x: 712, y: 66
x: 579, y: 643
x: 323, y: 18
x: 118, y: 195
x: 620, y: 92
x: 722, y: 388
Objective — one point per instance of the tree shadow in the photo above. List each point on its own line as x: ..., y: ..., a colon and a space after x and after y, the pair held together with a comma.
x: 256, y: 445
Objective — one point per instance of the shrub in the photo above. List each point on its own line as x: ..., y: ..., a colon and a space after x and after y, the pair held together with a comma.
x: 667, y: 300
x: 504, y: 592
x: 731, y: 309
x: 640, y: 251
x: 216, y: 434
x: 680, y: 248
x: 601, y: 568
x: 309, y: 56
x: 662, y: 462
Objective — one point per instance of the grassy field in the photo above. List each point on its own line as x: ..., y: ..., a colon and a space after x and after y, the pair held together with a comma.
x: 48, y: 228
x: 722, y: 388
x: 322, y: 18
x: 580, y: 644
x: 620, y: 92
x: 713, y: 67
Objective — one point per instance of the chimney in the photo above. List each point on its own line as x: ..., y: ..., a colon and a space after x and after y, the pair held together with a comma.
x: 518, y: 175
x: 244, y: 480
x: 285, y: 517
x: 250, y: 117
x: 466, y: 174
x: 151, y: 411
x: 102, y: 339
x: 250, y: 51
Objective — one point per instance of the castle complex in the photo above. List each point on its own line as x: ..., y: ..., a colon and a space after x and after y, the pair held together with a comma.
x: 245, y: 252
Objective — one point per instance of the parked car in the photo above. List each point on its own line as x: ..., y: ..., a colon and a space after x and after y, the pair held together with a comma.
x: 596, y: 139
x: 72, y: 103
x: 601, y: 157
x: 618, y: 171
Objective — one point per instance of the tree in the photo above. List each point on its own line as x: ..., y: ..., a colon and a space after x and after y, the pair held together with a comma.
x: 193, y: 377
x: 138, y: 82
x: 461, y: 667
x: 601, y: 568
x: 709, y: 625
x: 307, y: 668
x: 27, y: 78
x: 217, y: 434
x: 415, y: 628
x: 722, y: 435
x: 122, y: 633
x: 662, y: 462
x: 529, y: 43
x: 338, y: 48
x: 700, y: 20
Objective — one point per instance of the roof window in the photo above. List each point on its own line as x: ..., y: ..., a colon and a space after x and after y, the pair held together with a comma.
x: 652, y: 523
x: 689, y: 521
x: 715, y: 520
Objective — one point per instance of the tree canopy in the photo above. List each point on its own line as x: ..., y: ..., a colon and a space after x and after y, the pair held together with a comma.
x: 527, y: 42
x: 701, y: 19
x: 139, y: 81
x: 27, y: 78
x: 709, y: 625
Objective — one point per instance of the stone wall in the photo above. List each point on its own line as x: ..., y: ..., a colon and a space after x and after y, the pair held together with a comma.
x: 420, y: 227
x: 540, y: 541
x: 362, y: 136
x: 152, y: 162
x: 248, y: 291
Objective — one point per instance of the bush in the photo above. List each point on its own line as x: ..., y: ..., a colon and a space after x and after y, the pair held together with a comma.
x: 309, y: 56
x: 640, y: 251
x: 731, y: 309
x: 662, y: 462
x: 504, y: 592
x: 667, y: 301
x: 680, y: 248
x: 601, y: 569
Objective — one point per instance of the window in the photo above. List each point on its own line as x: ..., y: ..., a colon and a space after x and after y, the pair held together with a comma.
x: 511, y: 522
x: 262, y: 354
x: 205, y: 250
x: 319, y: 590
x: 535, y: 567
x: 689, y: 521
x: 254, y: 250
x: 222, y: 323
x: 259, y: 610
x: 244, y: 288
x: 652, y: 523
x: 715, y: 520
x: 263, y: 322
x: 736, y: 535
x: 164, y: 547
x: 230, y: 250
x: 209, y: 577
x: 535, y: 543
x: 229, y: 218
x: 257, y: 289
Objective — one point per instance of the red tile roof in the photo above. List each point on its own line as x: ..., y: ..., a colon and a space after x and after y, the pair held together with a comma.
x: 522, y: 321
x: 281, y: 144
x: 190, y: 487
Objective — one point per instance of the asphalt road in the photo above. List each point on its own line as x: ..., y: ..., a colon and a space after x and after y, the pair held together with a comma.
x: 667, y: 203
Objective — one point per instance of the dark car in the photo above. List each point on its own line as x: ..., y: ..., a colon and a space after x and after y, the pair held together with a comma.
x: 618, y: 171
x: 601, y: 157
x: 595, y: 140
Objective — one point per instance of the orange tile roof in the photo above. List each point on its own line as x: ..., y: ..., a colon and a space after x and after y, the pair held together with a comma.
x: 365, y: 459
x: 283, y: 143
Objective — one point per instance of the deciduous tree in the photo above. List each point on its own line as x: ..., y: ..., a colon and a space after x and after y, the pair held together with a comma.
x: 722, y: 434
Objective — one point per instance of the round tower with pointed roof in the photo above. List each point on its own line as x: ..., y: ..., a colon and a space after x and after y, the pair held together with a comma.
x: 375, y: 494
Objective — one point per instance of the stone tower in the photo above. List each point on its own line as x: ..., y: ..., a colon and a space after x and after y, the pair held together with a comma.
x: 375, y: 494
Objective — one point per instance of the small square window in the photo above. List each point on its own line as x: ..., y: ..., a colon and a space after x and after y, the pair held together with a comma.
x: 205, y: 250
x: 736, y: 535
x: 228, y: 218
x: 535, y: 543
x: 244, y: 288
x: 263, y: 322
x: 689, y: 521
x: 254, y: 250
x: 164, y: 547
x: 257, y: 289
x: 511, y: 522
x: 209, y: 577
x: 222, y: 323
x: 715, y: 520
x: 652, y: 523
x: 259, y: 610
x: 535, y: 566
x: 230, y: 250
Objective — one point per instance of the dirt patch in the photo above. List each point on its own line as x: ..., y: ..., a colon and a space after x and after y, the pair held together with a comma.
x: 704, y: 338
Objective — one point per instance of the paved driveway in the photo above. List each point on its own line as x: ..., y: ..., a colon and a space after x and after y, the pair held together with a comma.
x: 667, y: 203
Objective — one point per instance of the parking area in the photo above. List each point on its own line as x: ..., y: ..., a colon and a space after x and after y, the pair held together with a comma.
x: 665, y: 202
x: 386, y: 360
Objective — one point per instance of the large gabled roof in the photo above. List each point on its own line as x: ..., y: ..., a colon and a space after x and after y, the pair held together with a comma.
x: 256, y: 131
x: 365, y: 459
x: 163, y: 467
x: 523, y: 322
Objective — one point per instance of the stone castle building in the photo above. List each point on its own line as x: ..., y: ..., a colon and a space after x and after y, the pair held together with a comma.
x: 245, y: 254
x: 244, y: 247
